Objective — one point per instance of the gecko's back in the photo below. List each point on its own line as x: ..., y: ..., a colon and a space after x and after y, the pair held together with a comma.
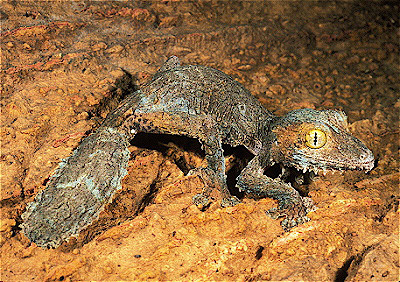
x: 199, y: 90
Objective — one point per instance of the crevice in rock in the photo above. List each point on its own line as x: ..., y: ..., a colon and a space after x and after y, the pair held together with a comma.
x: 342, y: 272
x: 351, y: 264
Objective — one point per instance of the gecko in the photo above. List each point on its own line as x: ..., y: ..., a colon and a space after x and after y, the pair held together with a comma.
x: 203, y: 103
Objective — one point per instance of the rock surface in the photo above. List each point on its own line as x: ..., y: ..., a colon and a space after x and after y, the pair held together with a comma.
x: 65, y: 66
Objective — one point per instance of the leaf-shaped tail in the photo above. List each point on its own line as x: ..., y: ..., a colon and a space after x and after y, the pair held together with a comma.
x: 79, y: 189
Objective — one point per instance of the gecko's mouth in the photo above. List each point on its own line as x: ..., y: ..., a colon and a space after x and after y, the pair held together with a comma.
x: 304, y: 164
x: 290, y: 174
x: 303, y: 173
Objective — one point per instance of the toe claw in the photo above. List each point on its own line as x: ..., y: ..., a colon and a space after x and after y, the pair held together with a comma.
x: 200, y: 200
x: 229, y: 201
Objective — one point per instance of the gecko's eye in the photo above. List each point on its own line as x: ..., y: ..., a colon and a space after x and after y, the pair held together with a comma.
x: 315, y: 138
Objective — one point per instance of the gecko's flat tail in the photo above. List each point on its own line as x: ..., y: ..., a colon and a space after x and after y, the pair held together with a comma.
x: 79, y: 189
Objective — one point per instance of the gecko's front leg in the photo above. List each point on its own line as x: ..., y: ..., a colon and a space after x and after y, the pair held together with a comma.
x: 291, y: 205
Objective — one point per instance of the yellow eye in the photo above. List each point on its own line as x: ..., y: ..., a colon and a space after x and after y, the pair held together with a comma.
x: 315, y: 138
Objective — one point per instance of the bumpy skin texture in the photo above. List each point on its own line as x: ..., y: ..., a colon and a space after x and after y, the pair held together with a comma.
x: 206, y: 104
x: 79, y: 189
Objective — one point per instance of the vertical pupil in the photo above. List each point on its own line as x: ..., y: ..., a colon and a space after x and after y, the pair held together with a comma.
x: 315, y: 138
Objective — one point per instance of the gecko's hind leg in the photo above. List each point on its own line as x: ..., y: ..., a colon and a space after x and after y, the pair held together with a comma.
x: 195, y: 126
x: 213, y: 176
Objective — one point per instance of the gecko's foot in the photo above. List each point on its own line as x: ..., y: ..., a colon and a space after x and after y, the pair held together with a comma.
x: 212, y: 180
x: 201, y: 200
x: 294, y: 213
x: 229, y: 201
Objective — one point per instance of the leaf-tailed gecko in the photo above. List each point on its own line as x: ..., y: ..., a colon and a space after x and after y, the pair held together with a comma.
x: 203, y: 103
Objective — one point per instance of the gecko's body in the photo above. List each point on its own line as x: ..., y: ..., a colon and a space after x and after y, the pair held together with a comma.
x: 206, y: 104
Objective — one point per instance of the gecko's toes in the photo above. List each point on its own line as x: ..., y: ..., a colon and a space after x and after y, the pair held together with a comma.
x: 294, y: 214
x: 290, y: 220
x: 309, y: 204
x: 200, y: 200
x: 289, y: 223
x: 274, y: 213
x: 229, y: 201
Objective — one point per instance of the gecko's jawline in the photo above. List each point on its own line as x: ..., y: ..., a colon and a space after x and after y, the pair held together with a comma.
x: 332, y: 167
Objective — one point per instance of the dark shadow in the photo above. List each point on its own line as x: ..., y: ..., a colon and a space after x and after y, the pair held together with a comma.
x: 342, y: 273
x: 166, y: 144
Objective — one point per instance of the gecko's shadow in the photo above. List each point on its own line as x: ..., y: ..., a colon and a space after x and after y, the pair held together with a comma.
x: 177, y: 147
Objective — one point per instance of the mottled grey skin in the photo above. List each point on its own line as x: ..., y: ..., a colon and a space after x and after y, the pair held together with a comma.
x: 206, y: 104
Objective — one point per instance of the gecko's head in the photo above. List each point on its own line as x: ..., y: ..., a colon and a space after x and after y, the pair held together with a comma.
x: 318, y: 140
